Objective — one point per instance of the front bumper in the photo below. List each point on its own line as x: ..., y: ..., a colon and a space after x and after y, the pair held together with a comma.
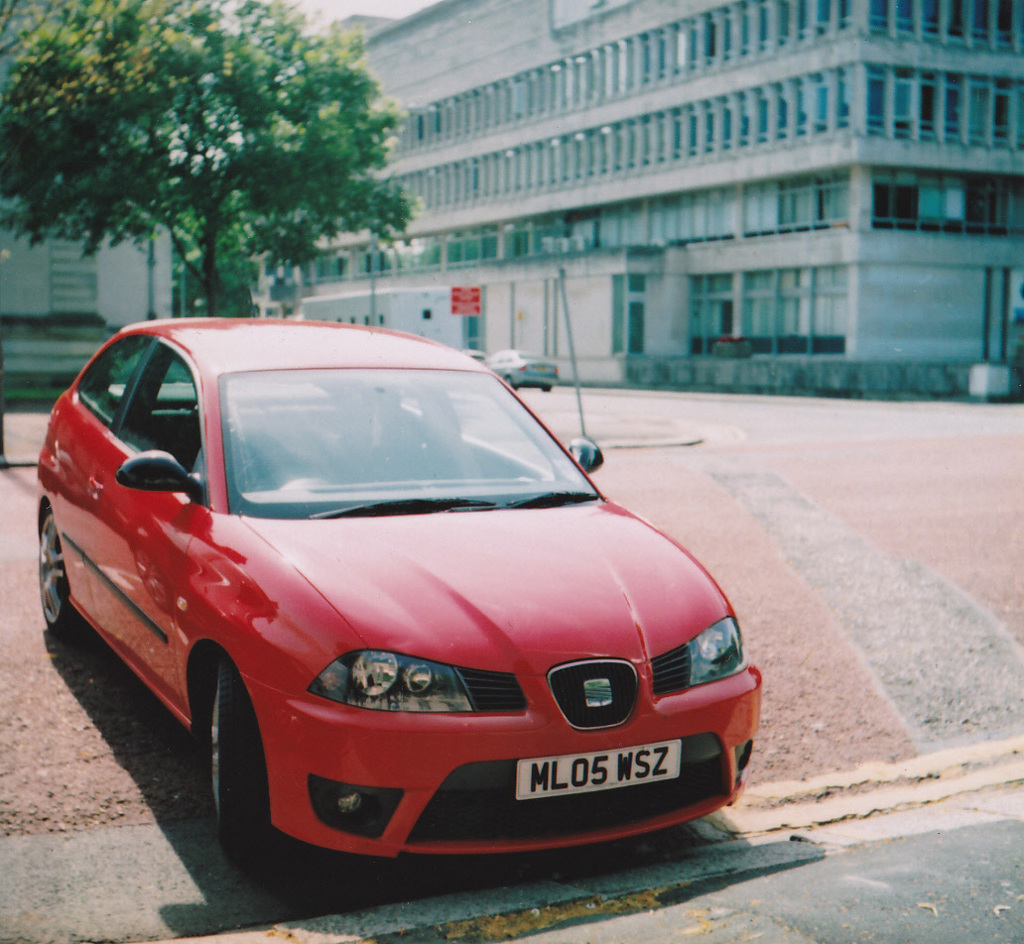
x: 444, y: 783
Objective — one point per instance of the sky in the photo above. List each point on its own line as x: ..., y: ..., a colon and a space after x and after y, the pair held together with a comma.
x: 339, y: 9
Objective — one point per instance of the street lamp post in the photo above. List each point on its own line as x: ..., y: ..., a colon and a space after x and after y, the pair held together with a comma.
x: 3, y: 454
x: 373, y: 280
x: 4, y: 463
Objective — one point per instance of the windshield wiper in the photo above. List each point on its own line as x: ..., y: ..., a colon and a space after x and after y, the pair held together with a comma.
x: 406, y: 506
x: 553, y: 500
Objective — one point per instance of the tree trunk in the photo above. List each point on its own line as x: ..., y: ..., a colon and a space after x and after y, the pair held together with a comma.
x: 211, y: 282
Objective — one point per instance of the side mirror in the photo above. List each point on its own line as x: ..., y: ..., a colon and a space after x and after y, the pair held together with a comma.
x: 587, y: 453
x: 158, y: 471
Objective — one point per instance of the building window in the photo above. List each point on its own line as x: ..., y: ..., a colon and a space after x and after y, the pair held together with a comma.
x: 710, y: 37
x: 902, y: 121
x: 895, y: 205
x: 795, y: 311
x: 926, y: 107
x: 800, y: 107
x: 782, y: 21
x: 802, y: 18
x: 711, y: 310
x: 763, y: 25
x: 822, y: 114
x: 743, y: 111
x: 949, y: 203
x: 759, y: 294
x: 1004, y: 24
x: 781, y: 113
x: 876, y: 101
x: 955, y: 19
x: 811, y: 203
x: 1020, y: 117
x: 473, y: 247
x: 760, y: 209
x: 979, y: 21
x: 831, y: 317
x: 419, y: 254
x: 878, y: 15
x: 1001, y: 104
x: 636, y: 328
x: 904, y: 16
x: 980, y: 119
x: 762, y: 117
x: 822, y: 16
x: 628, y: 313
x: 954, y: 100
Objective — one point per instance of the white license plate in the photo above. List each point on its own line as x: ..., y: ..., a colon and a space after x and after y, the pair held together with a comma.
x: 604, y: 770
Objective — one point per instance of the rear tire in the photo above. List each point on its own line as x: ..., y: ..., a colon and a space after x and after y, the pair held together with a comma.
x: 238, y: 767
x: 62, y: 619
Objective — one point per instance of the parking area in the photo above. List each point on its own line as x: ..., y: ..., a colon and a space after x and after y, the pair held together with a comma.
x: 871, y: 551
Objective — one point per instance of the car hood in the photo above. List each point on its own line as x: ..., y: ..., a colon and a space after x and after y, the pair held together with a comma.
x: 509, y: 590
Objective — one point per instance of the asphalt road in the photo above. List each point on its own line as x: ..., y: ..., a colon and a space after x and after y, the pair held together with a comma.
x: 872, y: 551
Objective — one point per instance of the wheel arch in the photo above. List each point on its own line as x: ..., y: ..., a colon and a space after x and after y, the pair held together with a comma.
x: 45, y: 507
x: 201, y: 684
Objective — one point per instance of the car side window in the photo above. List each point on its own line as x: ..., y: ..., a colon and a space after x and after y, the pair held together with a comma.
x: 164, y: 410
x: 103, y: 386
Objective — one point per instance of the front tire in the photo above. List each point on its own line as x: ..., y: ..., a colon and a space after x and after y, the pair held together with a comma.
x: 62, y: 619
x: 238, y: 767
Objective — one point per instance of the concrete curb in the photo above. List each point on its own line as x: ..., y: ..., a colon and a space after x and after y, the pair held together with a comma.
x: 875, y: 788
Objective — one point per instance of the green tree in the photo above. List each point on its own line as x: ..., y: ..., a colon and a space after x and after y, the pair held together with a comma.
x: 13, y: 15
x: 232, y: 124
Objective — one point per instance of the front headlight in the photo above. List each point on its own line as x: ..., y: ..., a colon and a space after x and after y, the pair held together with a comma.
x: 387, y: 681
x: 716, y: 653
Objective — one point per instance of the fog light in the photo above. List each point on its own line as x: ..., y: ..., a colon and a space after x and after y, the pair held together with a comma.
x: 364, y: 811
x: 743, y: 752
x: 348, y: 803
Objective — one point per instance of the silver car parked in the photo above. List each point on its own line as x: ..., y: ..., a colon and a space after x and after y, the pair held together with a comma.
x: 519, y: 369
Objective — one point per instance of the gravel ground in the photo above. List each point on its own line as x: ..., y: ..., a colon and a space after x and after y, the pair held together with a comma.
x: 82, y: 743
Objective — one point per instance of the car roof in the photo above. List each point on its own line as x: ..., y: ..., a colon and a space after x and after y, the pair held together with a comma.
x: 226, y: 345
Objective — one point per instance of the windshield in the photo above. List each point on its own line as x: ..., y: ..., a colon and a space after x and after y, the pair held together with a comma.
x: 325, y: 443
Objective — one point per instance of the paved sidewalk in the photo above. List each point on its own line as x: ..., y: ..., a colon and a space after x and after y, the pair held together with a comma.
x: 23, y: 437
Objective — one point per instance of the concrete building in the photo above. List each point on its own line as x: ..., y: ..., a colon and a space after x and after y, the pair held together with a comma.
x: 57, y: 305
x: 837, y: 185
x: 54, y: 282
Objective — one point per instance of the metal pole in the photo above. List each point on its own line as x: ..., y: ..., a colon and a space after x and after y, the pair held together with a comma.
x: 150, y: 287
x: 572, y: 349
x: 4, y: 463
x: 3, y: 454
x: 373, y: 280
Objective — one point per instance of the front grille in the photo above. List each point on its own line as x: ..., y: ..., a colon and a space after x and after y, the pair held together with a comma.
x: 610, y: 700
x: 492, y: 691
x: 478, y: 801
x: 672, y: 670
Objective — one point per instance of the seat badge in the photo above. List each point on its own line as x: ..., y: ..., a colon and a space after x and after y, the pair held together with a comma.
x: 597, y: 692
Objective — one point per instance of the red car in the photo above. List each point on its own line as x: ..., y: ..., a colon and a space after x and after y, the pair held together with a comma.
x: 397, y: 611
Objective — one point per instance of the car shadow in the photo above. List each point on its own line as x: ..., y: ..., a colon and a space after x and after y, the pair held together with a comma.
x: 292, y: 881
x: 145, y: 739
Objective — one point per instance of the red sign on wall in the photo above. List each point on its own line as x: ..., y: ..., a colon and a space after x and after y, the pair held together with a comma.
x: 466, y: 300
